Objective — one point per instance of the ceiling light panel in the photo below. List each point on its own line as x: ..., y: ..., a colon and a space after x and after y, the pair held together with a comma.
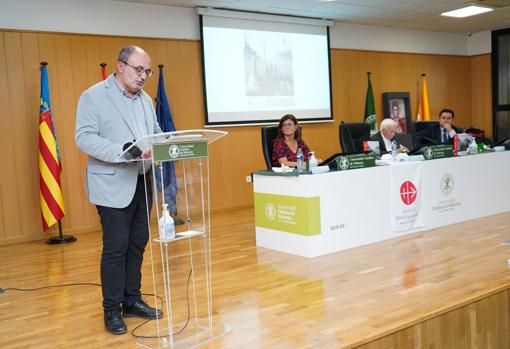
x: 467, y: 11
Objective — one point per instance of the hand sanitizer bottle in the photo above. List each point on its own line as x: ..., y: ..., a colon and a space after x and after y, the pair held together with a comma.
x: 166, y: 225
x: 312, y: 161
x: 473, y: 147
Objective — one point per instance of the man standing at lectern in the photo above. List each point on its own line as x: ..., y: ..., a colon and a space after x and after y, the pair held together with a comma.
x: 110, y: 116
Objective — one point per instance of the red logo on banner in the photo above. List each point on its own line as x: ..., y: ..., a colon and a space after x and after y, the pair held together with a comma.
x: 408, y: 193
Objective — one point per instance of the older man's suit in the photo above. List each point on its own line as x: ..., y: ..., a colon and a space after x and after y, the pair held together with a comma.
x: 382, y: 147
x: 104, y: 123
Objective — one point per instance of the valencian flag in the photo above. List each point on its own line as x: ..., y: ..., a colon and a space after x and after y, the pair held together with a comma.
x: 423, y: 107
x: 166, y: 124
x: 370, y: 117
x: 50, y: 192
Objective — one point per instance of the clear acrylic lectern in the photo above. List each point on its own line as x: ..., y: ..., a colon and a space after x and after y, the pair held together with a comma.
x: 181, y: 267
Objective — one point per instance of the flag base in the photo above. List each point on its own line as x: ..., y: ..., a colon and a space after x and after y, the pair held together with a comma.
x: 54, y: 240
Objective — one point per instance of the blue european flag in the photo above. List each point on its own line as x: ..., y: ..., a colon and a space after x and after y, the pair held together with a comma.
x: 166, y: 124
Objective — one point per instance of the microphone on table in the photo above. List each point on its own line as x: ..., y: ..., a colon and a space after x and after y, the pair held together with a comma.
x: 429, y: 140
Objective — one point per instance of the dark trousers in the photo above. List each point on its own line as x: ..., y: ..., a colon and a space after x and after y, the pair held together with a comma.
x: 125, y: 235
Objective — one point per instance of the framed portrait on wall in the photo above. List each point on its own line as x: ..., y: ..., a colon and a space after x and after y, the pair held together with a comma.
x: 396, y: 105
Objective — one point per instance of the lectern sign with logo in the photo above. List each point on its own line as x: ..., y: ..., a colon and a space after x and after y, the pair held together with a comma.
x: 180, y: 151
x: 181, y: 267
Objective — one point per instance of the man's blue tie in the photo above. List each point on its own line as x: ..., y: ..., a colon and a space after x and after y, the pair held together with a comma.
x: 445, y: 135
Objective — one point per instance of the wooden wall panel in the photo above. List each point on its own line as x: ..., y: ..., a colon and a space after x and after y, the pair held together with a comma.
x: 74, y: 66
x: 481, y: 93
x: 24, y: 127
x: 9, y: 203
x: 447, y: 80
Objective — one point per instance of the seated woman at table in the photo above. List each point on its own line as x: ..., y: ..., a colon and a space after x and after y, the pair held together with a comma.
x: 287, y: 142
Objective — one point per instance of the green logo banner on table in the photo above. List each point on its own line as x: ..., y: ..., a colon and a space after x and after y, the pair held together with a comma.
x: 179, y: 151
x: 291, y: 214
x: 439, y: 151
x: 355, y: 161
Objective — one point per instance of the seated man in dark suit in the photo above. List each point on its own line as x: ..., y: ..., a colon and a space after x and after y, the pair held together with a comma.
x: 389, y: 128
x: 441, y: 132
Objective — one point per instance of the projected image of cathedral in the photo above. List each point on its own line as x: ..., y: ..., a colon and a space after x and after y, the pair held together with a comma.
x: 268, y: 66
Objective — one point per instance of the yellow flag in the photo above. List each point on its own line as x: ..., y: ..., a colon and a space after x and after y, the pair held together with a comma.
x: 423, y: 108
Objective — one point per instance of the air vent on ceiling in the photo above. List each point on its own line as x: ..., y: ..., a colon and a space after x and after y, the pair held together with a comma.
x: 491, y: 3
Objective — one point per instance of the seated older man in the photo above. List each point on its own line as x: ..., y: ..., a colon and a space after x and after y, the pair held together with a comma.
x: 386, y: 135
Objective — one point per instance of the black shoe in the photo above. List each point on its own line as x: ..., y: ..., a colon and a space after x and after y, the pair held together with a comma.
x: 113, y: 322
x: 178, y: 221
x: 143, y: 310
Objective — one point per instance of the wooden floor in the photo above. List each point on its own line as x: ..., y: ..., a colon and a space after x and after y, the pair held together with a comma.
x: 446, y: 288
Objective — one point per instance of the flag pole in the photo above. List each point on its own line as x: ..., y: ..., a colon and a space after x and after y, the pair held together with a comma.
x: 60, y: 239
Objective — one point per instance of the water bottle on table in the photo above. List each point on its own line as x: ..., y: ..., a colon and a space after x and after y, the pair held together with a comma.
x: 394, y: 149
x: 300, y: 158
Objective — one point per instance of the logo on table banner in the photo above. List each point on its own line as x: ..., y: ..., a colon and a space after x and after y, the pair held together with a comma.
x: 408, y: 192
x: 406, y: 200
x: 429, y: 153
x: 173, y: 151
x: 270, y: 211
x: 446, y: 187
x: 289, y: 214
x: 344, y: 163
x: 447, y: 183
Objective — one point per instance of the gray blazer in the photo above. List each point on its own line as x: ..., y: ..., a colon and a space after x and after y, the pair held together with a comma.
x: 103, y: 126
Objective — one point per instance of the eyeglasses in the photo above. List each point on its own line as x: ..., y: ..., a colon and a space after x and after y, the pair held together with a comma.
x: 139, y: 70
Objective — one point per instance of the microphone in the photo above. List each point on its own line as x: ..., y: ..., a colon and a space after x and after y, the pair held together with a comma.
x: 429, y: 140
x: 134, y: 152
x: 350, y: 136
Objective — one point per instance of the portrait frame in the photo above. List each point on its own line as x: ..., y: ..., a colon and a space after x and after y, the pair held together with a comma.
x: 397, y: 105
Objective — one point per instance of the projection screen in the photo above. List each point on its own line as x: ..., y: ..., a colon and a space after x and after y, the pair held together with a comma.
x: 256, y: 71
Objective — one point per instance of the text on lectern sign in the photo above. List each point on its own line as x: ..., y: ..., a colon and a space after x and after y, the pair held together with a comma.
x: 179, y: 151
x: 355, y: 161
x: 438, y: 151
